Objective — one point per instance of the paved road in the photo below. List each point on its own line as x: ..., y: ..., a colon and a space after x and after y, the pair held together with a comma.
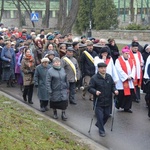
x: 130, y: 132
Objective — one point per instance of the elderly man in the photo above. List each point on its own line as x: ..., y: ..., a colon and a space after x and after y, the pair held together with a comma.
x: 101, y: 86
x: 71, y: 67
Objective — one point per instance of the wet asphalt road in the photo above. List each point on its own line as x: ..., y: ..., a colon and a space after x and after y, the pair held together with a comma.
x: 130, y: 131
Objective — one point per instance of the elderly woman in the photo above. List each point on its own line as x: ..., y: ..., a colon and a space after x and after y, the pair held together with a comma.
x: 28, y: 67
x: 8, y: 64
x: 40, y: 83
x: 57, y: 87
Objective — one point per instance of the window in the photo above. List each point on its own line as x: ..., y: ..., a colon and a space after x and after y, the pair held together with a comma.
x: 124, y: 11
x: 6, y: 14
x: 15, y: 14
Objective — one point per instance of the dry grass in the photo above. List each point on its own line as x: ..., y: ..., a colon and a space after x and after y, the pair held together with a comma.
x: 22, y: 129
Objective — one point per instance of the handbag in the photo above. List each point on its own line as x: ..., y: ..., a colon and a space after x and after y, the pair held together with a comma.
x: 6, y: 64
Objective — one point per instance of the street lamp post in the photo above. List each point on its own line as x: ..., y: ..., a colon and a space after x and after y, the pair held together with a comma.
x: 89, y: 33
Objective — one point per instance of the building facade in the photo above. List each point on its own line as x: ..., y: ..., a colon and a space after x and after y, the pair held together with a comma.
x: 140, y: 9
x: 10, y: 14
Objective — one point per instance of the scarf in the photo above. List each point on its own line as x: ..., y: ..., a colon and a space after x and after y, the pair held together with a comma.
x: 30, y: 58
x: 136, y: 81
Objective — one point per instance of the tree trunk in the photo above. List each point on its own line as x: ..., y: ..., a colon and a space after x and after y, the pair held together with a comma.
x: 2, y: 10
x: 64, y: 13
x: 132, y: 10
x: 19, y: 12
x: 28, y: 9
x: 70, y: 19
x: 47, y: 13
x: 60, y: 12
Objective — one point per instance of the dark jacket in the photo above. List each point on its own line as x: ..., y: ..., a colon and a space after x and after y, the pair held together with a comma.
x: 57, y: 85
x: 87, y: 67
x: 105, y: 86
x: 114, y: 51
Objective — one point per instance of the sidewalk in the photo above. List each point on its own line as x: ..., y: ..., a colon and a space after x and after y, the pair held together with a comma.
x: 121, y: 41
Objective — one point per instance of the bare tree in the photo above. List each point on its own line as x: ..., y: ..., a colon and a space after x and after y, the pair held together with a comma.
x: 62, y: 14
x: 70, y: 19
x: 27, y: 7
x: 2, y: 10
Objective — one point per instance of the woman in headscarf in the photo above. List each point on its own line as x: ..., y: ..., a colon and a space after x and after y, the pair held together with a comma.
x: 28, y: 68
x: 40, y: 83
x: 57, y: 87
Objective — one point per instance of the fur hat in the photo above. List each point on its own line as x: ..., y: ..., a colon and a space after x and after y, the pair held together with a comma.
x: 44, y: 60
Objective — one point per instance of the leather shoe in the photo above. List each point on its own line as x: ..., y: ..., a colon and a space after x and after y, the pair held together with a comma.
x: 63, y: 116
x: 30, y: 102
x: 128, y: 110
x: 55, y: 114
x: 46, y: 109
x: 43, y: 109
x: 25, y: 98
x: 73, y: 103
x: 137, y: 100
x: 102, y: 134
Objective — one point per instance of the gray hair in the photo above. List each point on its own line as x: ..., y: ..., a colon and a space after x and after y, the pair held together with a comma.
x: 56, y: 59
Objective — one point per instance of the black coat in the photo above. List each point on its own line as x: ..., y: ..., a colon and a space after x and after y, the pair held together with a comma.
x: 105, y: 86
x: 87, y: 67
x: 114, y: 51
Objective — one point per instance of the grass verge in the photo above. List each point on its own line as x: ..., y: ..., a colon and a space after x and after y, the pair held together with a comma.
x: 22, y: 129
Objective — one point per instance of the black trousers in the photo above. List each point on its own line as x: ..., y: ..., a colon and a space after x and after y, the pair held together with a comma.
x: 72, y: 88
x: 28, y: 92
x: 102, y: 115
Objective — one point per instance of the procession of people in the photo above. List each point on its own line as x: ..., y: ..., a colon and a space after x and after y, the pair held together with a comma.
x: 59, y: 65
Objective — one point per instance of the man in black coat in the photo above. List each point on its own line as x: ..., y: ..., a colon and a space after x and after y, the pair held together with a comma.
x: 87, y: 67
x: 101, y: 86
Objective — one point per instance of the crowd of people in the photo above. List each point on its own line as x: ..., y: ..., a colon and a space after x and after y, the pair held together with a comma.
x: 59, y: 65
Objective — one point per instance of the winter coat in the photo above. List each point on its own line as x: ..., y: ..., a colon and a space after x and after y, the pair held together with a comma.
x: 69, y: 70
x: 105, y: 86
x: 114, y: 51
x: 57, y: 85
x: 87, y: 67
x: 5, y: 56
x: 28, y: 72
x: 40, y: 81
x: 38, y: 55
